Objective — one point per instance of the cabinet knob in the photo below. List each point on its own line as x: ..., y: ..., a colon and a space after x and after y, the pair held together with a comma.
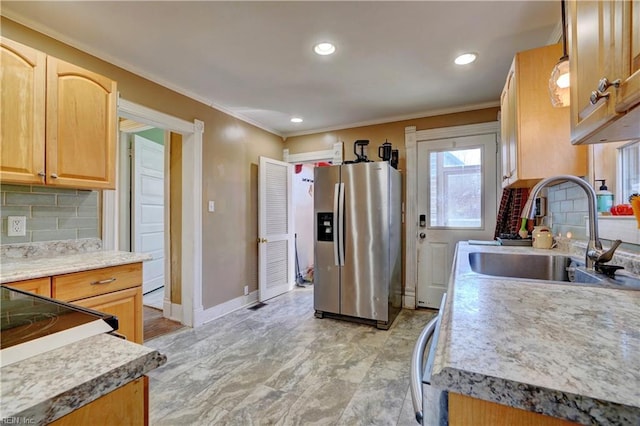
x: 596, y: 95
x: 604, y: 84
x: 42, y: 174
x: 54, y: 175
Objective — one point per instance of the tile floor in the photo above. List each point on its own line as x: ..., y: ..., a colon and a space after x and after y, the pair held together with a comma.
x: 279, y: 365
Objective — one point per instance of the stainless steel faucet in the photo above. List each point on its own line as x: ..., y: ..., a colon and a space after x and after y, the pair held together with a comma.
x: 594, y: 246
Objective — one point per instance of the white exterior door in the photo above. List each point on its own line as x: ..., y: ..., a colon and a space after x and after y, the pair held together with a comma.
x: 275, y: 229
x: 148, y: 209
x: 456, y: 202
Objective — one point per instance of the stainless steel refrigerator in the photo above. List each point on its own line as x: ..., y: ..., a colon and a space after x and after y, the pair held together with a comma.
x: 358, y: 267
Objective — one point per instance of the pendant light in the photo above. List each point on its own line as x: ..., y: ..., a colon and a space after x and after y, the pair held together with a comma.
x: 559, y: 80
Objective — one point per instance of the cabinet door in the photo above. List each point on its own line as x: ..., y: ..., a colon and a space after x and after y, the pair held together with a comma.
x: 40, y: 286
x: 509, y: 129
x: 513, y: 126
x: 127, y: 405
x: 465, y: 410
x: 23, y: 80
x: 81, y: 127
x: 126, y: 305
x: 596, y: 28
x: 630, y: 88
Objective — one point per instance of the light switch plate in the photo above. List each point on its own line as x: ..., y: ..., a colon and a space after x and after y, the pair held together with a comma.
x: 212, y: 206
x: 16, y: 226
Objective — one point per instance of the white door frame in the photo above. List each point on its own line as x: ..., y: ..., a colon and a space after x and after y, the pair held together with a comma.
x: 411, y: 139
x: 190, y: 313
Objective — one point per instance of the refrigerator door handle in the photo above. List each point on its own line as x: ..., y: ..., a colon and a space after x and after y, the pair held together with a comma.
x: 341, y: 224
x: 336, y: 235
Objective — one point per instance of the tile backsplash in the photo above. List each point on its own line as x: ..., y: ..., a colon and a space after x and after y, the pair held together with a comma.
x: 567, y: 203
x: 51, y: 213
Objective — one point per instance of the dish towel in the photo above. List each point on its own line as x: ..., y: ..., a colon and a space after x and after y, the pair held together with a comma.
x: 511, y: 205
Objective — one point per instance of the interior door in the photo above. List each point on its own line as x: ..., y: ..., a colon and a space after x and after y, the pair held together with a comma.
x: 456, y: 201
x: 148, y: 209
x: 275, y: 229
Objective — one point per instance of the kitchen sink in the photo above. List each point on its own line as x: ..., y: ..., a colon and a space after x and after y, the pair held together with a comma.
x: 529, y: 266
x: 547, y: 268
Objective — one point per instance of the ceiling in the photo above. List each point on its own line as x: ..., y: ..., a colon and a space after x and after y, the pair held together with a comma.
x: 255, y: 60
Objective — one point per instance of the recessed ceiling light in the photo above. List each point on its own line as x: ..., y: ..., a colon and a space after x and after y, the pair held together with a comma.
x: 465, y: 59
x: 324, y: 48
x: 296, y: 120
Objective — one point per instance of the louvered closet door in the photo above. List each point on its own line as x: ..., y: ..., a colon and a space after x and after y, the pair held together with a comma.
x: 275, y: 229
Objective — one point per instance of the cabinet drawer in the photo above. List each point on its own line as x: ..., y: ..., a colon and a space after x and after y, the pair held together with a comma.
x: 80, y: 285
x: 41, y: 286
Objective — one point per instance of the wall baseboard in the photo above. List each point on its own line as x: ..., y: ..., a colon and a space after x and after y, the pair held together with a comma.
x: 409, y: 302
x: 172, y: 311
x: 204, y: 316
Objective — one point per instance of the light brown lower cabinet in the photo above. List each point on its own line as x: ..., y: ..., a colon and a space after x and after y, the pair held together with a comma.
x: 115, y: 290
x: 128, y: 405
x: 124, y: 304
x: 39, y: 286
x: 465, y: 410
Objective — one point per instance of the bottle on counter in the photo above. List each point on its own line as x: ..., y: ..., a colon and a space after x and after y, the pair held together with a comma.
x: 604, y: 197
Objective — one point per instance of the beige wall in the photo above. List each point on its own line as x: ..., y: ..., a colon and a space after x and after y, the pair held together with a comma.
x: 230, y: 155
x: 377, y: 134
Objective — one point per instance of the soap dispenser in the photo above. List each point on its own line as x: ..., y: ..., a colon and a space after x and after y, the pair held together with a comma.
x: 604, y: 197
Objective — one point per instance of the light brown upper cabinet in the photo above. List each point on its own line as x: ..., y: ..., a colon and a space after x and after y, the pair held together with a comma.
x: 535, y: 135
x: 604, y: 43
x: 58, y: 121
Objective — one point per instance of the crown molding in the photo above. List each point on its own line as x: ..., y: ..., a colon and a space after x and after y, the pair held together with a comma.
x: 385, y: 120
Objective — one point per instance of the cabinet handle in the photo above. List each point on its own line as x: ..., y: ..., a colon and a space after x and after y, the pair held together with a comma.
x: 54, y: 175
x: 604, y: 84
x: 596, y: 95
x: 107, y: 281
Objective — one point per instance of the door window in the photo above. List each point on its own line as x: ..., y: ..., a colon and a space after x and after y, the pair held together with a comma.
x: 455, y: 188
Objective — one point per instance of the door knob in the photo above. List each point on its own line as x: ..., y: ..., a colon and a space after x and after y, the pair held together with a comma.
x: 422, y: 235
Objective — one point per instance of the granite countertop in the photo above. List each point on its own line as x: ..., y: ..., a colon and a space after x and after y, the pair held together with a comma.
x: 48, y: 386
x: 563, y: 350
x: 25, y: 268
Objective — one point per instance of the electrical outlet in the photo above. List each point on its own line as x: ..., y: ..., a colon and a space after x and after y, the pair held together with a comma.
x: 16, y: 226
x: 246, y: 290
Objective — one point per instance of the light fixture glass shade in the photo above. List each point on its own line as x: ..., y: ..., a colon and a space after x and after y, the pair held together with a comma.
x: 559, y: 84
